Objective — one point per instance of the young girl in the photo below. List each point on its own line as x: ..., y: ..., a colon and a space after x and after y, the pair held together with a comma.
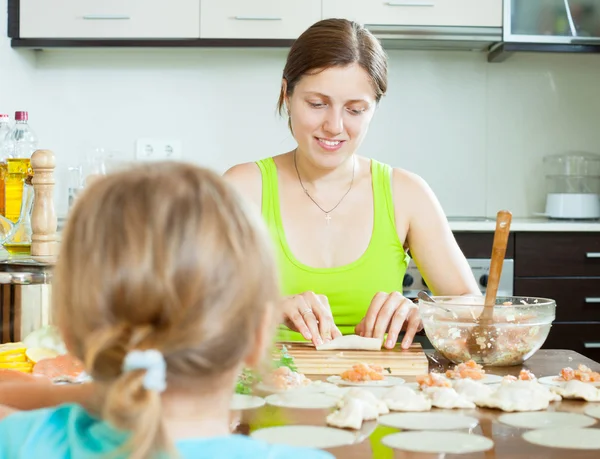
x: 164, y: 288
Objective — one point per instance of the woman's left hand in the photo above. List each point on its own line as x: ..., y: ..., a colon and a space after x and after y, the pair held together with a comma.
x: 391, y: 313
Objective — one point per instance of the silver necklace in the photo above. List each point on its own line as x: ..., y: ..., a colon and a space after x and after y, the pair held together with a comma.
x: 326, y: 212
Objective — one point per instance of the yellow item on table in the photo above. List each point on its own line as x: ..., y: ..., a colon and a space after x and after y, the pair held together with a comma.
x: 25, y: 367
x: 15, y: 358
x: 12, y: 348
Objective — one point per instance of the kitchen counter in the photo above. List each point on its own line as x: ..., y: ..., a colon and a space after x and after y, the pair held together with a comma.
x: 524, y: 224
x: 507, y: 439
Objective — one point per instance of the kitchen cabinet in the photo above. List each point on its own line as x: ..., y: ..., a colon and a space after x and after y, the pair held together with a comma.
x: 566, y: 268
x: 262, y: 19
x: 109, y: 19
x: 553, y: 21
x: 467, y: 13
x: 479, y: 244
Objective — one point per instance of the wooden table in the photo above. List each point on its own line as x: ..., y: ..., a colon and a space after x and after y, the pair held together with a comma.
x: 508, y: 441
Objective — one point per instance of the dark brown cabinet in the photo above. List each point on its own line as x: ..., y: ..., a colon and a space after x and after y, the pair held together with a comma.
x: 566, y: 268
x: 577, y: 299
x: 557, y: 255
x: 479, y: 245
x: 579, y: 337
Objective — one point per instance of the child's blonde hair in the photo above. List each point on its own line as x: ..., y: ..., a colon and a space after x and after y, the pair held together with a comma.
x: 167, y: 257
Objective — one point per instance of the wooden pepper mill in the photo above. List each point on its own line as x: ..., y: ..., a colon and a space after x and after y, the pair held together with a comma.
x: 44, y: 247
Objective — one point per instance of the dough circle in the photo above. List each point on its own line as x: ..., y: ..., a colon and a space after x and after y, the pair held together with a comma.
x: 593, y: 411
x: 428, y: 421
x: 387, y: 381
x: 551, y: 381
x: 546, y: 420
x: 569, y: 438
x: 302, y: 400
x: 245, y: 402
x: 438, y: 442
x: 309, y: 436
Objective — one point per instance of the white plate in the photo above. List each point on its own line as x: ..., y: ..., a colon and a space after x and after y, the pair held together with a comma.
x: 302, y: 400
x: 387, y: 381
x: 593, y: 410
x: 315, y: 386
x: 546, y: 420
x: 308, y: 436
x: 245, y: 402
x: 487, y: 379
x: 428, y: 421
x: 438, y: 442
x: 551, y: 381
x: 413, y: 385
x: 569, y: 438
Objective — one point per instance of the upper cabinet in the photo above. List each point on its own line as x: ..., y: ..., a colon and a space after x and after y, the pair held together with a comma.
x: 141, y: 19
x: 552, y: 21
x: 258, y: 19
x: 465, y: 13
x: 462, y: 24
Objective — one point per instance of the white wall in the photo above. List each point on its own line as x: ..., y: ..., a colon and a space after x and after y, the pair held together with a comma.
x: 476, y: 131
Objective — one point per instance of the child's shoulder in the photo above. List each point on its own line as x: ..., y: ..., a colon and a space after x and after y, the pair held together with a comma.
x: 23, y: 428
x: 41, y: 417
x: 240, y: 446
x: 38, y: 433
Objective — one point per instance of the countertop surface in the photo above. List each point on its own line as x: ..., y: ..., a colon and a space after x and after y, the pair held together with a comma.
x: 524, y: 224
x: 475, y: 224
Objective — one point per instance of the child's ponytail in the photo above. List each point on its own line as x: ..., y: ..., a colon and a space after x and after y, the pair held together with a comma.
x: 132, y: 401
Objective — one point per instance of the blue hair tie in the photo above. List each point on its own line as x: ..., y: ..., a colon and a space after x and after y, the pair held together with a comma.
x: 153, y: 362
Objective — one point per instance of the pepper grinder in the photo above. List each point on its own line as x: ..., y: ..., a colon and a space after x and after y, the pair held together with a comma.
x: 44, y: 247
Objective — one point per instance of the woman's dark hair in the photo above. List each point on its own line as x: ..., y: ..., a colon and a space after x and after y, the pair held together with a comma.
x: 334, y: 43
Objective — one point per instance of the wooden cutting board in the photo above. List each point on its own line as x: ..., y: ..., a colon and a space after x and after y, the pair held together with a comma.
x: 408, y: 362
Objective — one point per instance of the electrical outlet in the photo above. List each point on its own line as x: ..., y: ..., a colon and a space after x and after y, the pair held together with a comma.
x: 158, y: 149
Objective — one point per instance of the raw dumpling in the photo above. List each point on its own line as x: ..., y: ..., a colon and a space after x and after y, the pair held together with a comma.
x: 374, y: 404
x: 448, y: 398
x: 403, y: 398
x: 519, y: 396
x: 472, y: 390
x: 579, y: 390
x: 350, y: 416
x: 348, y: 342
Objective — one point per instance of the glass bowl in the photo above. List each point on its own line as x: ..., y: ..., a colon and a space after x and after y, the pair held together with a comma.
x: 522, y: 325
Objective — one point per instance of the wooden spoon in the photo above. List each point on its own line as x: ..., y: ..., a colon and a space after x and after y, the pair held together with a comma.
x: 483, y: 337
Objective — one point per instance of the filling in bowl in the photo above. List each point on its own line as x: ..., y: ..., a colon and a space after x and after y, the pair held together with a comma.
x: 519, y: 328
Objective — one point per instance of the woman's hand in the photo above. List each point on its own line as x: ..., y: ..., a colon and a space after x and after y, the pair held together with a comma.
x: 310, y: 315
x: 390, y: 312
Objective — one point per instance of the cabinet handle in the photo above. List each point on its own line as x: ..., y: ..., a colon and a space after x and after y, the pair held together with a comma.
x: 409, y: 3
x: 106, y: 17
x: 585, y: 41
x: 592, y: 345
x: 592, y: 299
x: 592, y: 255
x: 258, y: 18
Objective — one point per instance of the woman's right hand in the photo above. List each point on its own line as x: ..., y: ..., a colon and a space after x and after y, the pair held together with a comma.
x: 310, y: 315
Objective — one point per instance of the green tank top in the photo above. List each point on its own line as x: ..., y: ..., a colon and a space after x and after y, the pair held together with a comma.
x: 349, y: 288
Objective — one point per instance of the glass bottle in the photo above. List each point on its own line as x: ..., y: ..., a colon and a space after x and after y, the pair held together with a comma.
x: 22, y: 142
x: 4, y: 153
x: 18, y: 240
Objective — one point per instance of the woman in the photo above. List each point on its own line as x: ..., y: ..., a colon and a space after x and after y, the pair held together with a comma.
x: 343, y: 224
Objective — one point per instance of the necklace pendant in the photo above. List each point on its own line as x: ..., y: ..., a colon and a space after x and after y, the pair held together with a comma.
x: 327, y: 217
